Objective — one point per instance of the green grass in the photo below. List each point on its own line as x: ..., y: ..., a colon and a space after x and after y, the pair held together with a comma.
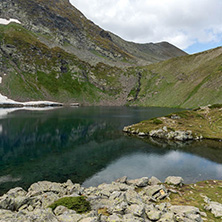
x: 205, y: 122
x: 79, y: 204
x: 45, y: 80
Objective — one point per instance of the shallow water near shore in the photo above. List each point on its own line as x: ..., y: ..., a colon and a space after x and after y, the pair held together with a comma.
x: 87, y: 145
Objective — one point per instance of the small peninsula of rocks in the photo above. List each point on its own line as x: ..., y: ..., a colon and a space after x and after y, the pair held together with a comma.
x: 202, y: 123
x: 144, y: 199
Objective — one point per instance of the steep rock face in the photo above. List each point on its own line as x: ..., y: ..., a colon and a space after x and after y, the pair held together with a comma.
x: 61, y: 24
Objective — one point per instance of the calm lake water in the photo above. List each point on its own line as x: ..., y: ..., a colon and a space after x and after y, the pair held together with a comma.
x: 87, y: 145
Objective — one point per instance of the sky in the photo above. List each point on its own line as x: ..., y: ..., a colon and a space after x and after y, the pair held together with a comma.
x: 191, y: 25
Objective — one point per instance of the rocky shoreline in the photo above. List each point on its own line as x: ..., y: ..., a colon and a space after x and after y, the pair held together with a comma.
x: 144, y: 199
x: 197, y: 124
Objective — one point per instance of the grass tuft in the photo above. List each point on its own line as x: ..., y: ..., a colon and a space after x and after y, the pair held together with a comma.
x: 79, y: 204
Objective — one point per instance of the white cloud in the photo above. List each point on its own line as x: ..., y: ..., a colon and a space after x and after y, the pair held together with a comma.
x: 182, y: 23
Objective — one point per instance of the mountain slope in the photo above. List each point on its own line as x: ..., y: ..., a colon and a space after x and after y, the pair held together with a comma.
x: 58, y: 23
x: 188, y: 81
x: 32, y: 70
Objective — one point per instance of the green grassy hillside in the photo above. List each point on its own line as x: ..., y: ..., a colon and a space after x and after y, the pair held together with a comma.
x: 201, y: 123
x: 187, y: 81
x: 32, y: 70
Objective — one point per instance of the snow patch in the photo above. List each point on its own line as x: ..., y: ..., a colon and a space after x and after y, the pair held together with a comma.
x: 0, y: 80
x: 6, y: 22
x: 6, y: 100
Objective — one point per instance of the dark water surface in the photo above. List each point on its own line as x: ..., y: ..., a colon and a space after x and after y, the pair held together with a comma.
x: 86, y: 145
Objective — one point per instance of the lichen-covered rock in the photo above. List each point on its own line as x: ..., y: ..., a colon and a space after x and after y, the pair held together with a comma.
x: 215, y: 208
x: 188, y: 213
x: 46, y: 186
x: 154, y: 181
x: 136, y: 210
x: 14, y: 199
x: 142, y: 182
x: 132, y: 197
x: 108, y: 202
x: 176, y: 181
x: 155, y: 192
x: 154, y: 215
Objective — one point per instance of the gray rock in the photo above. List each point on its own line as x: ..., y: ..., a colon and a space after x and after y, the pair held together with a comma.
x: 119, y: 208
x: 132, y: 197
x: 155, y: 192
x: 154, y: 215
x: 142, y: 182
x: 167, y: 217
x: 89, y: 219
x: 154, y: 181
x: 45, y: 199
x: 176, y: 181
x: 45, y: 186
x: 132, y: 218
x: 14, y: 199
x: 42, y: 215
x: 188, y: 212
x: 136, y: 210
x: 18, y: 191
x: 114, y: 218
x: 107, y: 189
x: 122, y: 180
x: 215, y: 208
x: 69, y: 217
x: 60, y: 210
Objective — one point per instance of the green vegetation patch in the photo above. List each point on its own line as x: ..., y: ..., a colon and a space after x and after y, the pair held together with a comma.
x: 79, y: 204
x: 205, y: 122
x: 193, y: 195
x: 157, y: 121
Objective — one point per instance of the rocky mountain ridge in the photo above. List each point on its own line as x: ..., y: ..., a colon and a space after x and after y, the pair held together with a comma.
x: 58, y: 23
x: 57, y: 54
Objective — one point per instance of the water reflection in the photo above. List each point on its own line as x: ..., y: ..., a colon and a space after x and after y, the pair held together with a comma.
x: 87, y: 144
x: 177, y: 163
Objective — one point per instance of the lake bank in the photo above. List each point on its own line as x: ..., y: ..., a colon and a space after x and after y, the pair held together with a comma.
x: 144, y: 199
x: 202, y: 123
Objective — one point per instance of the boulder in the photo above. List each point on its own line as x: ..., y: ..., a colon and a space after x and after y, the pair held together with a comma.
x: 122, y: 180
x: 154, y: 215
x: 155, y: 192
x: 14, y: 199
x: 154, y: 181
x: 142, y: 182
x: 132, y: 197
x: 176, y: 181
x: 215, y: 208
x: 46, y: 186
x: 136, y: 210
x: 186, y: 213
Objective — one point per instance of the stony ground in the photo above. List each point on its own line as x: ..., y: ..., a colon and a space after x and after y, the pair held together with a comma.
x: 145, y: 199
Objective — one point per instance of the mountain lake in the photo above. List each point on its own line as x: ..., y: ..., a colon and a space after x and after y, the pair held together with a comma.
x: 87, y: 145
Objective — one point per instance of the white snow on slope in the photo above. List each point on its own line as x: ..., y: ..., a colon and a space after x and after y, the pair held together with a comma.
x: 31, y: 105
x: 6, y: 100
x: 6, y: 22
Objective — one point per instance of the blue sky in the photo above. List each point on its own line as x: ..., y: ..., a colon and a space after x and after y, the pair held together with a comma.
x: 192, y: 25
